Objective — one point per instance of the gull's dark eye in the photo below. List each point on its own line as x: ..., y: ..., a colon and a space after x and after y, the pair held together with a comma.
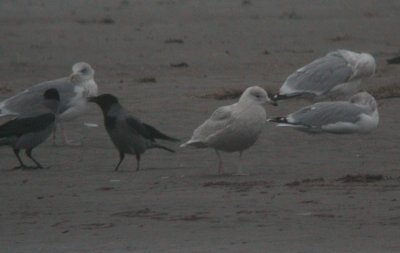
x: 84, y: 71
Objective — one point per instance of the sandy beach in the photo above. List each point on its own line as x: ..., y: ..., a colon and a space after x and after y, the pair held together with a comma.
x: 166, y: 60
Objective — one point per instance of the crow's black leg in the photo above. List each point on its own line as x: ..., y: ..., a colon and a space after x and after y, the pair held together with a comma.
x: 29, y: 154
x: 137, y: 161
x: 21, y: 164
x: 121, y: 158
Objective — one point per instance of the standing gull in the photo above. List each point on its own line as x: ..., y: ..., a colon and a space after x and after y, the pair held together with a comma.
x: 73, y: 91
x: 29, y: 130
x: 358, y: 115
x: 129, y: 134
x: 339, y: 73
x: 233, y: 128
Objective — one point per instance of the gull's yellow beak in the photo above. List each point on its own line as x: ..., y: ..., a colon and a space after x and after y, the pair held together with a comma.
x: 72, y: 77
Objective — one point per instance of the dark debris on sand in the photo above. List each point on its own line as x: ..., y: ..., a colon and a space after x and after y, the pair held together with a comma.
x: 173, y: 41
x: 232, y: 93
x: 291, y: 15
x: 142, y: 213
x: 361, y: 178
x: 105, y: 21
x: 147, y: 80
x: 227, y: 93
x: 341, y: 37
x: 237, y: 186
x: 180, y: 65
x: 394, y: 60
x: 385, y: 92
x: 5, y: 90
x: 306, y: 181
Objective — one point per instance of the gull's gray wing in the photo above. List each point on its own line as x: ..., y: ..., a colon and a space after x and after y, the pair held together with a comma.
x: 32, y: 97
x: 20, y: 126
x: 219, y: 120
x: 324, y: 113
x: 319, y: 76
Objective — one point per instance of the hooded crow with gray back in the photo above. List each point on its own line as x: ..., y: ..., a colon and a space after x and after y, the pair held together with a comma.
x: 30, y: 129
x: 129, y: 134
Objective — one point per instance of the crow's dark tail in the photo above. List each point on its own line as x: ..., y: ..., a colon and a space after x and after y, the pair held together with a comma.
x: 5, y: 141
x: 158, y: 135
x: 156, y: 145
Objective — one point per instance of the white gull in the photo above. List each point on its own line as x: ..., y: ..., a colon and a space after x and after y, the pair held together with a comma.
x: 233, y: 128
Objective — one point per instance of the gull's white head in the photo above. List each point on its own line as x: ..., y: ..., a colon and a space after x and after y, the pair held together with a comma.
x: 364, y: 99
x: 255, y: 94
x: 81, y: 71
x: 365, y: 66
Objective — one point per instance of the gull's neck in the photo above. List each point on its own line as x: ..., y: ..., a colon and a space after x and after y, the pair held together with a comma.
x: 90, y: 87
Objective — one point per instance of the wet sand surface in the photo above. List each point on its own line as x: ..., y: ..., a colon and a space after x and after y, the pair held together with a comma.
x: 305, y: 193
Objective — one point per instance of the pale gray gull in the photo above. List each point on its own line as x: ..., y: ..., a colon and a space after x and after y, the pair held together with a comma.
x: 357, y: 115
x: 233, y: 128
x: 338, y: 74
x: 73, y: 91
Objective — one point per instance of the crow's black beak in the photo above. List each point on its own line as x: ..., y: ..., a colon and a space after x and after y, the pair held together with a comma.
x: 92, y: 99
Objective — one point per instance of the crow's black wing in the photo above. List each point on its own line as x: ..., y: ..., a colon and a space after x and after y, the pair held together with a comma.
x: 20, y: 126
x: 147, y: 131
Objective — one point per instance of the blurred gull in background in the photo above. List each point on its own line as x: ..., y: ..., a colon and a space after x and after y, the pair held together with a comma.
x: 73, y: 92
x: 30, y: 129
x: 337, y: 74
x: 358, y: 115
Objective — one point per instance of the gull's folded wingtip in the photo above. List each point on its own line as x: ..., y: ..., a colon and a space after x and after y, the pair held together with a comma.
x: 278, y: 120
x: 194, y: 143
x: 272, y: 100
